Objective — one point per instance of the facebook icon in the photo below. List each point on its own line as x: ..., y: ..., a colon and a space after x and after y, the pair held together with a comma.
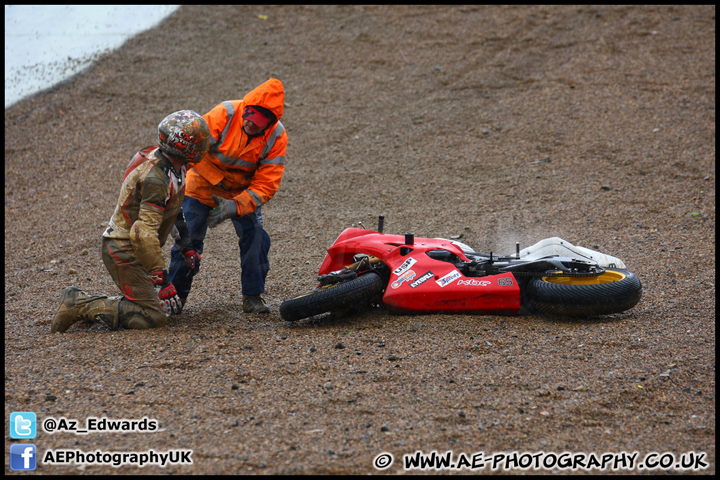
x: 23, y: 456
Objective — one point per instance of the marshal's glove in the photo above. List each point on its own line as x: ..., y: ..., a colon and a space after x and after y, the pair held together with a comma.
x: 167, y: 295
x: 225, y: 209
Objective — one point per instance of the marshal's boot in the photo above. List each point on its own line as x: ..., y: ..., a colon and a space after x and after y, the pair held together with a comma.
x: 254, y: 304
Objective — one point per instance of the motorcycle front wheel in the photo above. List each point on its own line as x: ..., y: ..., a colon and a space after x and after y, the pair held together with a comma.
x: 612, y: 292
x: 333, y: 297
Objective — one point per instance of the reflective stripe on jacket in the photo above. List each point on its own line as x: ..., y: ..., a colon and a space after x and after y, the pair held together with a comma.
x: 245, y: 169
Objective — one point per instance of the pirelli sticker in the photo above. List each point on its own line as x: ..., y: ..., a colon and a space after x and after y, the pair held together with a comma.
x: 422, y: 279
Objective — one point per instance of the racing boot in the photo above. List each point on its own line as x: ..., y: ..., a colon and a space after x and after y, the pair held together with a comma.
x: 254, y: 304
x: 76, y: 306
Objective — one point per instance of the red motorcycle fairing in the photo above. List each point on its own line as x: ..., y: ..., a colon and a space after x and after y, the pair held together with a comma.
x: 342, y: 251
x: 421, y: 284
x: 490, y: 295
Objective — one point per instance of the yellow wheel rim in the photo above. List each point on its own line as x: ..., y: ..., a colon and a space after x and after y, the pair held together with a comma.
x: 608, y: 277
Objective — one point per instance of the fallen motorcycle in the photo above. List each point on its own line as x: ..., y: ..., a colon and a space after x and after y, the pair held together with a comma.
x: 409, y: 275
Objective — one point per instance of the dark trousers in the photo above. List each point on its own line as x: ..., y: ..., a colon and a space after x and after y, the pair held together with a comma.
x: 254, y: 243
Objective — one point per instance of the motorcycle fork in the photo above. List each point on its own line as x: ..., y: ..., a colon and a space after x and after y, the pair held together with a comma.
x: 364, y: 264
x: 371, y: 264
x: 352, y: 271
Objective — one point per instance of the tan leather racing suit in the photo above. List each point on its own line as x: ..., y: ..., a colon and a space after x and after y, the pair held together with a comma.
x: 148, y: 207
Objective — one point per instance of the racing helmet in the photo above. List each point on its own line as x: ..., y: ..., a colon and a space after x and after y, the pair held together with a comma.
x: 184, y: 135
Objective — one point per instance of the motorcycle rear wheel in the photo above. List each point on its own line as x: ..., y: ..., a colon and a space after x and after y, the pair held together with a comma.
x: 334, y: 297
x: 612, y: 292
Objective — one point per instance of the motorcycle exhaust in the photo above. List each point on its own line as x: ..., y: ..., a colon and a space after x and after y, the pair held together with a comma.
x: 381, y: 223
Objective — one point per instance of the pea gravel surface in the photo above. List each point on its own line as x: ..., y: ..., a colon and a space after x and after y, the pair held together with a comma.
x: 493, y: 124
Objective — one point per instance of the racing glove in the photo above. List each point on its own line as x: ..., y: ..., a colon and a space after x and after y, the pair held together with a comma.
x: 174, y: 233
x: 167, y: 295
x: 183, y: 243
x: 192, y: 257
x: 225, y: 209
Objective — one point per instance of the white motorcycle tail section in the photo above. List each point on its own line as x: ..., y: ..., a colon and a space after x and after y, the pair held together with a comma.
x: 563, y: 248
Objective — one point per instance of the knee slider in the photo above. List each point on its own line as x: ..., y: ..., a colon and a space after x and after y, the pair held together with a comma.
x: 135, y: 317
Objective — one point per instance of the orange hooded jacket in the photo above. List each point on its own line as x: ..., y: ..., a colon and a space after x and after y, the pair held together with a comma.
x: 245, y: 169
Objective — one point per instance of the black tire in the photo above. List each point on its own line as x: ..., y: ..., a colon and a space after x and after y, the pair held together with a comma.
x: 613, y: 292
x: 339, y: 296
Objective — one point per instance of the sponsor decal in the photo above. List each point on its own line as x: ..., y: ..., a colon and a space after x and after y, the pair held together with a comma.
x: 475, y: 283
x: 449, y: 278
x: 405, y: 266
x: 409, y: 275
x: 423, y: 278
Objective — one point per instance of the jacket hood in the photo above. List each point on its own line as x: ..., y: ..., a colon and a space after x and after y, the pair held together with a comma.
x: 270, y: 95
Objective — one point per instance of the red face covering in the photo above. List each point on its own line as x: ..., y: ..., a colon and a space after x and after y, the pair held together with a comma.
x: 255, y: 117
